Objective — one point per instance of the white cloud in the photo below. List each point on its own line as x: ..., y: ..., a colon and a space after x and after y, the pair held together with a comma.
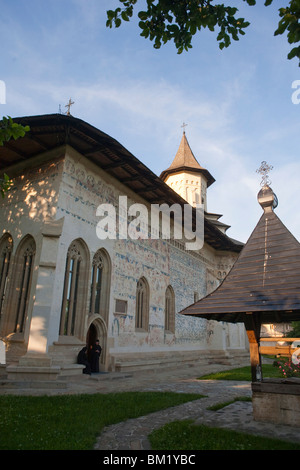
x: 237, y: 110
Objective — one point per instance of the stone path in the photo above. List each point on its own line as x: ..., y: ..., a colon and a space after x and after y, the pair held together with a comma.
x: 133, y: 434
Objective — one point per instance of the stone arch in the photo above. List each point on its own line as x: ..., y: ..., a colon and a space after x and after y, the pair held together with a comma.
x: 100, y: 284
x: 97, y: 329
x: 21, y: 289
x: 73, y: 310
x: 142, y: 304
x: 6, y: 247
x: 170, y: 310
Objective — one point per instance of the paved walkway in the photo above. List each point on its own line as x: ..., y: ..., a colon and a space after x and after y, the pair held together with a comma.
x: 133, y: 434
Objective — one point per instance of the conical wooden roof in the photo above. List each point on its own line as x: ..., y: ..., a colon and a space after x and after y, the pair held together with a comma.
x: 185, y: 161
x: 265, y: 278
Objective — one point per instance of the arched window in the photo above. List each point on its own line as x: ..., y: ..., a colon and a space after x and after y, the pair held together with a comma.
x: 23, y: 275
x: 5, y: 256
x: 74, y: 294
x: 187, y: 194
x: 100, y: 284
x: 170, y: 310
x: 142, y: 305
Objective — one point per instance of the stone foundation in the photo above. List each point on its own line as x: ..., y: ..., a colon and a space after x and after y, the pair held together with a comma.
x: 277, y: 401
x: 125, y: 362
x: 61, y: 362
x: 35, y: 367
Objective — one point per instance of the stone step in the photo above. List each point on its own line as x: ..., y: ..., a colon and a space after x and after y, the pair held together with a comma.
x: 103, y: 376
x: 68, y: 370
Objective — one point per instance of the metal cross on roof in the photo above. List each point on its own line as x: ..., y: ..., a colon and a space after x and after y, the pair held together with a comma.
x: 69, y: 106
x: 264, y: 170
x: 184, y: 126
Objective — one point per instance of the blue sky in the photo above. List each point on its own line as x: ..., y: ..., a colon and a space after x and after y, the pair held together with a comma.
x: 237, y: 102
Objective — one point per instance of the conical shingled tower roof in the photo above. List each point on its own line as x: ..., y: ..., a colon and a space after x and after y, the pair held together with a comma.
x: 185, y: 161
x: 264, y: 279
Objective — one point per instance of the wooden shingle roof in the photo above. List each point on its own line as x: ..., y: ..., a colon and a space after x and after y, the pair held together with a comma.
x: 264, y: 279
x: 185, y: 160
x: 48, y: 132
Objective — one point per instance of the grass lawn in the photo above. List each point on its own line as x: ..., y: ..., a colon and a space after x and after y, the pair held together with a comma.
x: 73, y: 422
x: 243, y: 373
x: 184, y: 435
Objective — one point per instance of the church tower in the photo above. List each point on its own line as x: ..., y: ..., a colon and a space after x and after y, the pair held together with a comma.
x: 187, y: 177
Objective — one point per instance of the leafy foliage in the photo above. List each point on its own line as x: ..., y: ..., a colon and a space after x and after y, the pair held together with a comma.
x: 5, y: 184
x: 290, y: 22
x: 180, y: 20
x: 9, y: 130
x: 295, y: 332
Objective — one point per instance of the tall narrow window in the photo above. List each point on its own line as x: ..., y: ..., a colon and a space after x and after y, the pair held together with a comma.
x: 5, y: 256
x: 74, y: 287
x: 142, y: 304
x: 97, y: 271
x: 25, y: 262
x: 170, y: 310
x: 100, y: 284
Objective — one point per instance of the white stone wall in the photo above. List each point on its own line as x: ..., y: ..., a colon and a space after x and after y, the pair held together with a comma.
x: 84, y: 187
x: 66, y: 192
x: 27, y: 207
x: 190, y: 186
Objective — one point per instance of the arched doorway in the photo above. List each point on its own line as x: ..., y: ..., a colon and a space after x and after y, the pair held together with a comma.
x: 91, y: 338
x: 97, y: 330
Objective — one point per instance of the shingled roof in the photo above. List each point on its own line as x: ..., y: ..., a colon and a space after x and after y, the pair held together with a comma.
x: 51, y: 131
x: 265, y: 278
x: 185, y: 160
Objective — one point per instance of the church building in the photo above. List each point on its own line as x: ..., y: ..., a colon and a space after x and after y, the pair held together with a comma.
x: 70, y: 273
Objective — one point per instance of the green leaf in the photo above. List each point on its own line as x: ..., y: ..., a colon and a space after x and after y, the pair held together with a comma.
x: 143, y: 15
x: 5, y: 184
x: 295, y: 52
x: 124, y: 16
x: 110, y: 14
x: 180, y: 20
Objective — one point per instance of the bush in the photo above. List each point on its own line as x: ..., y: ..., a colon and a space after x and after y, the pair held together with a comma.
x: 287, y: 368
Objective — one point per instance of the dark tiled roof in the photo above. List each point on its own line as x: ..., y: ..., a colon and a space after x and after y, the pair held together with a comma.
x: 265, y: 278
x: 50, y: 131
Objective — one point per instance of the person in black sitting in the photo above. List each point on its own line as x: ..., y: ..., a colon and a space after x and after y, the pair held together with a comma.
x: 83, y: 359
x: 95, y: 355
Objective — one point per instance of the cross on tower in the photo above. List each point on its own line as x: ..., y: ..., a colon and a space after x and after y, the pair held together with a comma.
x: 264, y: 170
x: 69, y: 106
x: 183, y: 126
